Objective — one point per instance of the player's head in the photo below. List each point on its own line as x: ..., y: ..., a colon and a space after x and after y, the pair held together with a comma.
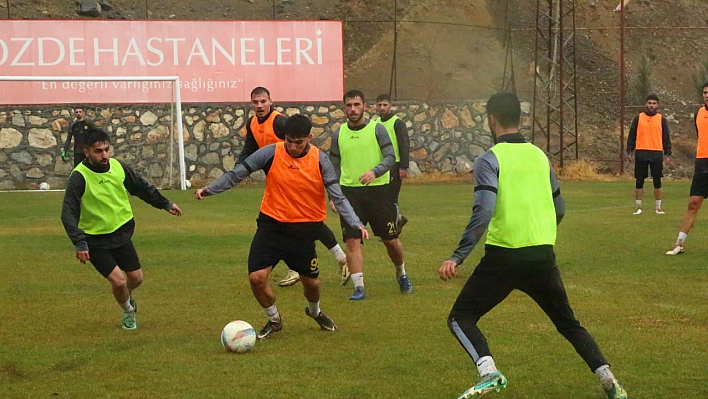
x: 260, y: 101
x: 503, y: 110
x: 97, y: 147
x: 354, y: 104
x: 297, y: 134
x: 652, y: 103
x: 705, y: 93
x: 383, y: 104
x: 79, y: 112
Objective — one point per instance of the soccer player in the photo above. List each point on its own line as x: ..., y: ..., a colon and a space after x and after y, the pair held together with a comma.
x: 98, y: 218
x: 398, y: 133
x: 267, y: 127
x: 699, y: 185
x: 650, y: 141
x: 292, y: 213
x: 362, y: 155
x: 517, y: 200
x: 78, y: 129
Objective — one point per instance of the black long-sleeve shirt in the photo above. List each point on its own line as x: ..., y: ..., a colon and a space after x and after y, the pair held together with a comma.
x: 404, y: 144
x: 251, y: 145
x: 71, y: 208
x: 632, y: 139
x: 77, y: 130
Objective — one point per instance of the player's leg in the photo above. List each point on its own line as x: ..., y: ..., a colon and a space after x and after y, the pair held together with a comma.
x: 127, y: 259
x: 547, y: 290
x: 699, y: 191
x: 352, y: 237
x: 303, y: 258
x: 326, y: 237
x: 640, y: 174
x: 105, y: 263
x: 488, y: 286
x: 383, y: 224
x: 395, y: 190
x: 657, y: 170
x: 266, y: 251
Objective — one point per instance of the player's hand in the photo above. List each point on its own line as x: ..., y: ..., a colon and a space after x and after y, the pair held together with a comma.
x: 82, y: 256
x: 364, y: 233
x: 447, y: 269
x: 175, y: 210
x: 63, y: 156
x: 629, y: 157
x: 367, y: 178
x: 333, y: 207
x: 403, y: 173
x: 200, y: 193
x: 667, y: 159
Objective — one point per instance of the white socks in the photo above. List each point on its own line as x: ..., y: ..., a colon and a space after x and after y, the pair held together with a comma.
x: 658, y: 204
x: 606, y: 377
x: 358, y: 279
x: 638, y: 202
x: 272, y: 313
x: 313, y: 308
x: 681, y: 238
x: 400, y: 269
x: 338, y: 253
x: 485, y: 365
x: 127, y: 306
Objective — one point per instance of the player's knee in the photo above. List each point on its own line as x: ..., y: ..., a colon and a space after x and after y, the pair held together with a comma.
x: 258, y: 278
x: 694, y: 203
x: 639, y: 184
x: 657, y: 182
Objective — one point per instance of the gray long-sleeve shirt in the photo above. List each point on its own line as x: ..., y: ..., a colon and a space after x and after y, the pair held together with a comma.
x: 486, y: 183
x: 263, y: 159
x: 385, y: 145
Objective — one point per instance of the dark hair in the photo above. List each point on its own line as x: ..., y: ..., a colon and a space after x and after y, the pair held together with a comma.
x: 297, y: 126
x: 260, y: 90
x: 95, y: 135
x: 81, y: 107
x: 383, y: 97
x: 652, y: 97
x: 354, y: 94
x: 505, y: 107
x: 705, y: 85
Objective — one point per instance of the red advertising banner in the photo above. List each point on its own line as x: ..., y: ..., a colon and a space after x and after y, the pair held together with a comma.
x: 216, y: 61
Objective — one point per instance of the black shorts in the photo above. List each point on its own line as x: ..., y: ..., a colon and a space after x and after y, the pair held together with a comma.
x: 270, y: 246
x: 641, y: 169
x: 374, y: 206
x: 699, y: 185
x: 106, y: 259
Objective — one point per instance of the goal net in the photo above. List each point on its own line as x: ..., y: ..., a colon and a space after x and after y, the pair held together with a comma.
x: 146, y: 136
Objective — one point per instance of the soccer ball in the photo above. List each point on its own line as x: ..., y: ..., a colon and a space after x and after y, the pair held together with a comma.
x: 44, y: 186
x: 238, y: 336
x: 188, y: 183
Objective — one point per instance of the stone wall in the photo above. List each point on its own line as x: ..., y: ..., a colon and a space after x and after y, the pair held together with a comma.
x: 444, y: 137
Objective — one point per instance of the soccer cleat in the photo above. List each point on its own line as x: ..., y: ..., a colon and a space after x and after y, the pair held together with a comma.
x: 492, y: 382
x: 405, y: 284
x: 269, y: 329
x: 134, y: 305
x: 616, y: 392
x: 323, y: 320
x: 638, y: 211
x: 660, y: 211
x: 401, y: 222
x: 678, y: 249
x: 344, y: 273
x: 358, y: 295
x: 290, y: 279
x: 129, y: 322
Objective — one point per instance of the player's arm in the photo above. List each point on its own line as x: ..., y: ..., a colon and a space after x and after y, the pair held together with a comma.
x: 334, y: 156
x: 261, y: 159
x: 139, y: 187
x: 558, y: 202
x: 71, y: 212
x: 69, y: 135
x: 632, y: 136
x: 331, y: 183
x: 389, y: 154
x: 486, y: 178
x: 250, y: 145
x: 665, y: 137
x: 404, y: 142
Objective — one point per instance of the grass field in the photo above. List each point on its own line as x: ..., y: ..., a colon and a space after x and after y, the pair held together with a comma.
x: 60, y: 332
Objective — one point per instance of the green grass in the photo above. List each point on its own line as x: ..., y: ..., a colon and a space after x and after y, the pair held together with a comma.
x: 60, y: 332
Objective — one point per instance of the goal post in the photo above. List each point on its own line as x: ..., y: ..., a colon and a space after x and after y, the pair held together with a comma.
x: 177, y: 104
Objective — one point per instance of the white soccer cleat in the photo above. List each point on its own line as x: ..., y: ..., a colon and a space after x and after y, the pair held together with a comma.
x: 660, y: 211
x: 678, y: 249
x: 638, y: 211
